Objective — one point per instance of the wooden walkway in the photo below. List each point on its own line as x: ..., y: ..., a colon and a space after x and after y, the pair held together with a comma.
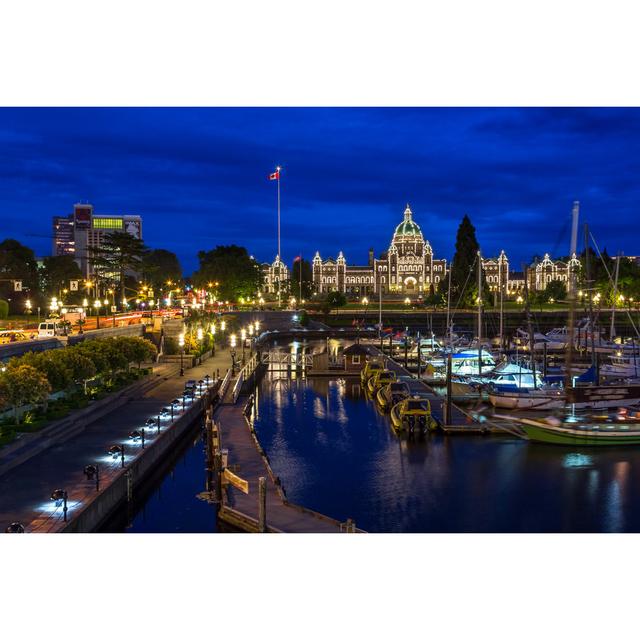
x: 247, y: 459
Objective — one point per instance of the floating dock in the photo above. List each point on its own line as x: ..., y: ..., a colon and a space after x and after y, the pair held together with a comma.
x: 254, y: 500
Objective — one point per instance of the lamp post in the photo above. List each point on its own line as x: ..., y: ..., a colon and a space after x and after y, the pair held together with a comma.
x: 93, y: 471
x: 243, y: 337
x: 181, y: 343
x: 232, y: 344
x: 60, y: 497
x: 117, y: 450
x: 97, y: 304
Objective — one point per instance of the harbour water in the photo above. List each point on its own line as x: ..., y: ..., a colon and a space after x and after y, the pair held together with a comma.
x: 336, y: 453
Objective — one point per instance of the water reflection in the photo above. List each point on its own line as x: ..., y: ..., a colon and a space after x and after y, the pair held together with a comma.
x: 337, y: 454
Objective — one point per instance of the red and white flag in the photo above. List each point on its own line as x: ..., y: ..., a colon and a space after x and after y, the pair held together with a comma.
x: 297, y: 259
x: 275, y: 176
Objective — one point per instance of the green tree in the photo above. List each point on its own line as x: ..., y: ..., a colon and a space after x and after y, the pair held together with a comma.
x: 160, y: 266
x: 555, y: 290
x: 464, y: 269
x: 22, y: 385
x: 57, y: 374
x: 17, y: 262
x: 336, y: 299
x: 235, y: 271
x: 303, y: 266
x: 56, y: 272
x: 119, y: 252
x: 4, y: 309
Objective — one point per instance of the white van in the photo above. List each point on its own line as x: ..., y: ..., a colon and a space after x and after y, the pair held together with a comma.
x: 50, y: 328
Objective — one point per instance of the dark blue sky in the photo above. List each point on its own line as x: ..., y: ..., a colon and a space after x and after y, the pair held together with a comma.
x: 199, y: 176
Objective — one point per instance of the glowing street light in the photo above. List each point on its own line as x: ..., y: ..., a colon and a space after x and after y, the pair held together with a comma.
x: 181, y: 344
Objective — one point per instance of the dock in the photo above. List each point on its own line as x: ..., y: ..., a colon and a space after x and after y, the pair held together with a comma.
x: 462, y: 422
x: 265, y: 509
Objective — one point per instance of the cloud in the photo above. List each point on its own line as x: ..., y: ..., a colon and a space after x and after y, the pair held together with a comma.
x: 199, y: 176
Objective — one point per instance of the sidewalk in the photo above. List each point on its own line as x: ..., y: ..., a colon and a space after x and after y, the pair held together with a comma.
x: 26, y: 489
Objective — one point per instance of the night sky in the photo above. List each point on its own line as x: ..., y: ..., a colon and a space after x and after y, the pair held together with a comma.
x: 199, y: 176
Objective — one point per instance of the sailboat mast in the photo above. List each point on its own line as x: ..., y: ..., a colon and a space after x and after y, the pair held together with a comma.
x: 572, y: 296
x: 612, y: 330
x: 479, y: 313
x: 529, y: 324
x: 501, y: 306
x: 448, y: 328
x: 589, y: 288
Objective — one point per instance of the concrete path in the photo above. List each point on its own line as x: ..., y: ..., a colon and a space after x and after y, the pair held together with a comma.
x: 25, y: 491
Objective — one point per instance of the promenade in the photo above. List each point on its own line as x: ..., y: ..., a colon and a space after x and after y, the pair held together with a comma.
x: 26, y: 489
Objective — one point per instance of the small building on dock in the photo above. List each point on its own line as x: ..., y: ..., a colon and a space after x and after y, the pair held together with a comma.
x: 355, y: 356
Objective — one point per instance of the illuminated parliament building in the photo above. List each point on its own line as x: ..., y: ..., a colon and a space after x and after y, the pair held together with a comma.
x: 409, y: 268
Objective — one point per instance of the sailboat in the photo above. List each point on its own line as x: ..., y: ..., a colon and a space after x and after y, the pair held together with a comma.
x: 572, y: 430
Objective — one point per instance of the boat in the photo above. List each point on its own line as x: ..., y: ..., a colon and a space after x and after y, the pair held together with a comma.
x: 369, y: 369
x: 391, y: 394
x: 577, y: 432
x: 412, y: 414
x: 466, y: 362
x: 585, y: 394
x: 380, y: 379
x: 622, y: 366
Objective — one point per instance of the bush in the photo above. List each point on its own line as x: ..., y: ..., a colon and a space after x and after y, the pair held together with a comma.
x: 4, y: 309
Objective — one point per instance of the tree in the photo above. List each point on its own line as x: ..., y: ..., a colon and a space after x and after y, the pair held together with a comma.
x: 23, y: 385
x: 336, y: 299
x: 56, y: 272
x: 307, y: 278
x: 4, y: 309
x: 17, y: 262
x: 464, y: 269
x: 555, y: 290
x: 231, y: 266
x: 160, y: 266
x: 119, y: 252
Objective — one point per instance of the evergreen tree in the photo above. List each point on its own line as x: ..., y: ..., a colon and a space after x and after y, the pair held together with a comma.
x: 119, y: 252
x: 307, y: 279
x: 237, y: 273
x: 464, y: 267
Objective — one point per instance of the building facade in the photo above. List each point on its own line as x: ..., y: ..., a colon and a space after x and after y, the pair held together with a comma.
x: 275, y: 276
x: 82, y: 230
x: 409, y: 268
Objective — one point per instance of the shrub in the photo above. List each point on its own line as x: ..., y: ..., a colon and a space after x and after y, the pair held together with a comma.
x: 4, y: 309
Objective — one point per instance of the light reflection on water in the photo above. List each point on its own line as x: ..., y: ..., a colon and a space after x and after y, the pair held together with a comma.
x: 337, y: 454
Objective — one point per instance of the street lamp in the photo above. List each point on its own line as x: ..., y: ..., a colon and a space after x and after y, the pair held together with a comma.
x: 181, y: 343
x: 91, y: 471
x: 232, y: 344
x: 117, y: 450
x: 60, y: 497
x: 97, y: 304
x: 243, y: 336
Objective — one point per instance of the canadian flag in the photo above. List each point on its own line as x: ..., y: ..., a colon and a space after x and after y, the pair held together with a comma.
x: 275, y: 176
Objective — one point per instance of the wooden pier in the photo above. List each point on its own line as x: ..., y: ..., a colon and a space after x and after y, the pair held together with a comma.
x: 462, y: 422
x: 264, y: 506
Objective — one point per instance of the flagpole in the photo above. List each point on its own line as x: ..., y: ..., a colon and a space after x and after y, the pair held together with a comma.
x: 279, y: 255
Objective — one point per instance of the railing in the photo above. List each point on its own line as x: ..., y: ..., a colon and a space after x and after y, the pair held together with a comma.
x: 225, y: 384
x: 289, y: 360
x: 244, y: 374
